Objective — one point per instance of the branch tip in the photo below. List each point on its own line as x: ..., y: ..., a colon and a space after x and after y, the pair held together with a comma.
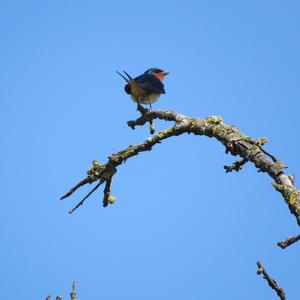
x: 237, y: 166
x: 271, y: 282
x: 76, y: 187
x: 87, y: 196
x: 289, y: 241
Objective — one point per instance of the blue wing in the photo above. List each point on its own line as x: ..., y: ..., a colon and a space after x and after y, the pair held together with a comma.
x: 150, y: 83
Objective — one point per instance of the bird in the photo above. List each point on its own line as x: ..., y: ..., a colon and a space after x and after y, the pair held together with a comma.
x: 145, y: 88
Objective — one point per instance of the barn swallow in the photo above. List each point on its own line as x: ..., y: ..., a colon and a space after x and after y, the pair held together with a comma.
x: 145, y: 88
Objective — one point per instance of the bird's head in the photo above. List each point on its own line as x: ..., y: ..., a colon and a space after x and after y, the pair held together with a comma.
x: 158, y: 73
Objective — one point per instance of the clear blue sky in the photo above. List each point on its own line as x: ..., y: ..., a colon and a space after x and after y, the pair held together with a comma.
x: 181, y: 228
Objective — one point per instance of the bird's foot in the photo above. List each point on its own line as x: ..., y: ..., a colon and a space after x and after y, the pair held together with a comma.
x: 141, y: 109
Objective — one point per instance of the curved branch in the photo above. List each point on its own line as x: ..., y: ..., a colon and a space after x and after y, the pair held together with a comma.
x: 233, y: 140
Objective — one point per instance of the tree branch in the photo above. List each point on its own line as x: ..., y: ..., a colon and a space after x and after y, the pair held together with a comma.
x: 271, y: 282
x: 73, y: 293
x: 233, y: 140
x: 237, y: 166
x: 76, y: 187
x: 87, y: 196
x: 289, y: 241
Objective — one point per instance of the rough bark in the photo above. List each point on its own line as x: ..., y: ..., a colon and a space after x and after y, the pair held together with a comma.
x: 235, y: 142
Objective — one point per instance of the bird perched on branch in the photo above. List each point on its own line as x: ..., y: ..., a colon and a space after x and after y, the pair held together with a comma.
x: 146, y: 88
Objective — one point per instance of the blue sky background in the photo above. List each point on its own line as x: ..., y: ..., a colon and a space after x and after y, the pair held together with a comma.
x: 181, y: 228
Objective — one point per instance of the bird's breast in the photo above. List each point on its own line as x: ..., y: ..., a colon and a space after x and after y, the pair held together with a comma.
x: 146, y: 100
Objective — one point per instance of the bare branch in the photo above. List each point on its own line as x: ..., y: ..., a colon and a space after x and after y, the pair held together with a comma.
x: 108, y: 198
x: 271, y: 282
x: 76, y: 187
x: 105, y: 172
x: 233, y: 140
x: 237, y: 166
x: 89, y: 194
x: 289, y: 241
x: 73, y: 293
x: 152, y: 128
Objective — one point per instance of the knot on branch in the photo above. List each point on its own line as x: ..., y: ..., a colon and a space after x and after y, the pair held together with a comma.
x: 95, y: 171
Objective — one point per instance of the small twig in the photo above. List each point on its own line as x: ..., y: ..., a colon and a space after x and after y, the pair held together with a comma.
x: 89, y: 194
x: 289, y: 241
x: 237, y: 166
x: 76, y: 187
x: 108, y: 198
x: 73, y: 293
x: 268, y: 154
x: 271, y: 282
x: 152, y: 128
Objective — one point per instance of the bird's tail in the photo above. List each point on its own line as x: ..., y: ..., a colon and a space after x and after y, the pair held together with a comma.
x: 129, y: 77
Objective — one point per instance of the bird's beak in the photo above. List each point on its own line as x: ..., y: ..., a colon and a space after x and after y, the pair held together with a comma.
x: 166, y: 73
